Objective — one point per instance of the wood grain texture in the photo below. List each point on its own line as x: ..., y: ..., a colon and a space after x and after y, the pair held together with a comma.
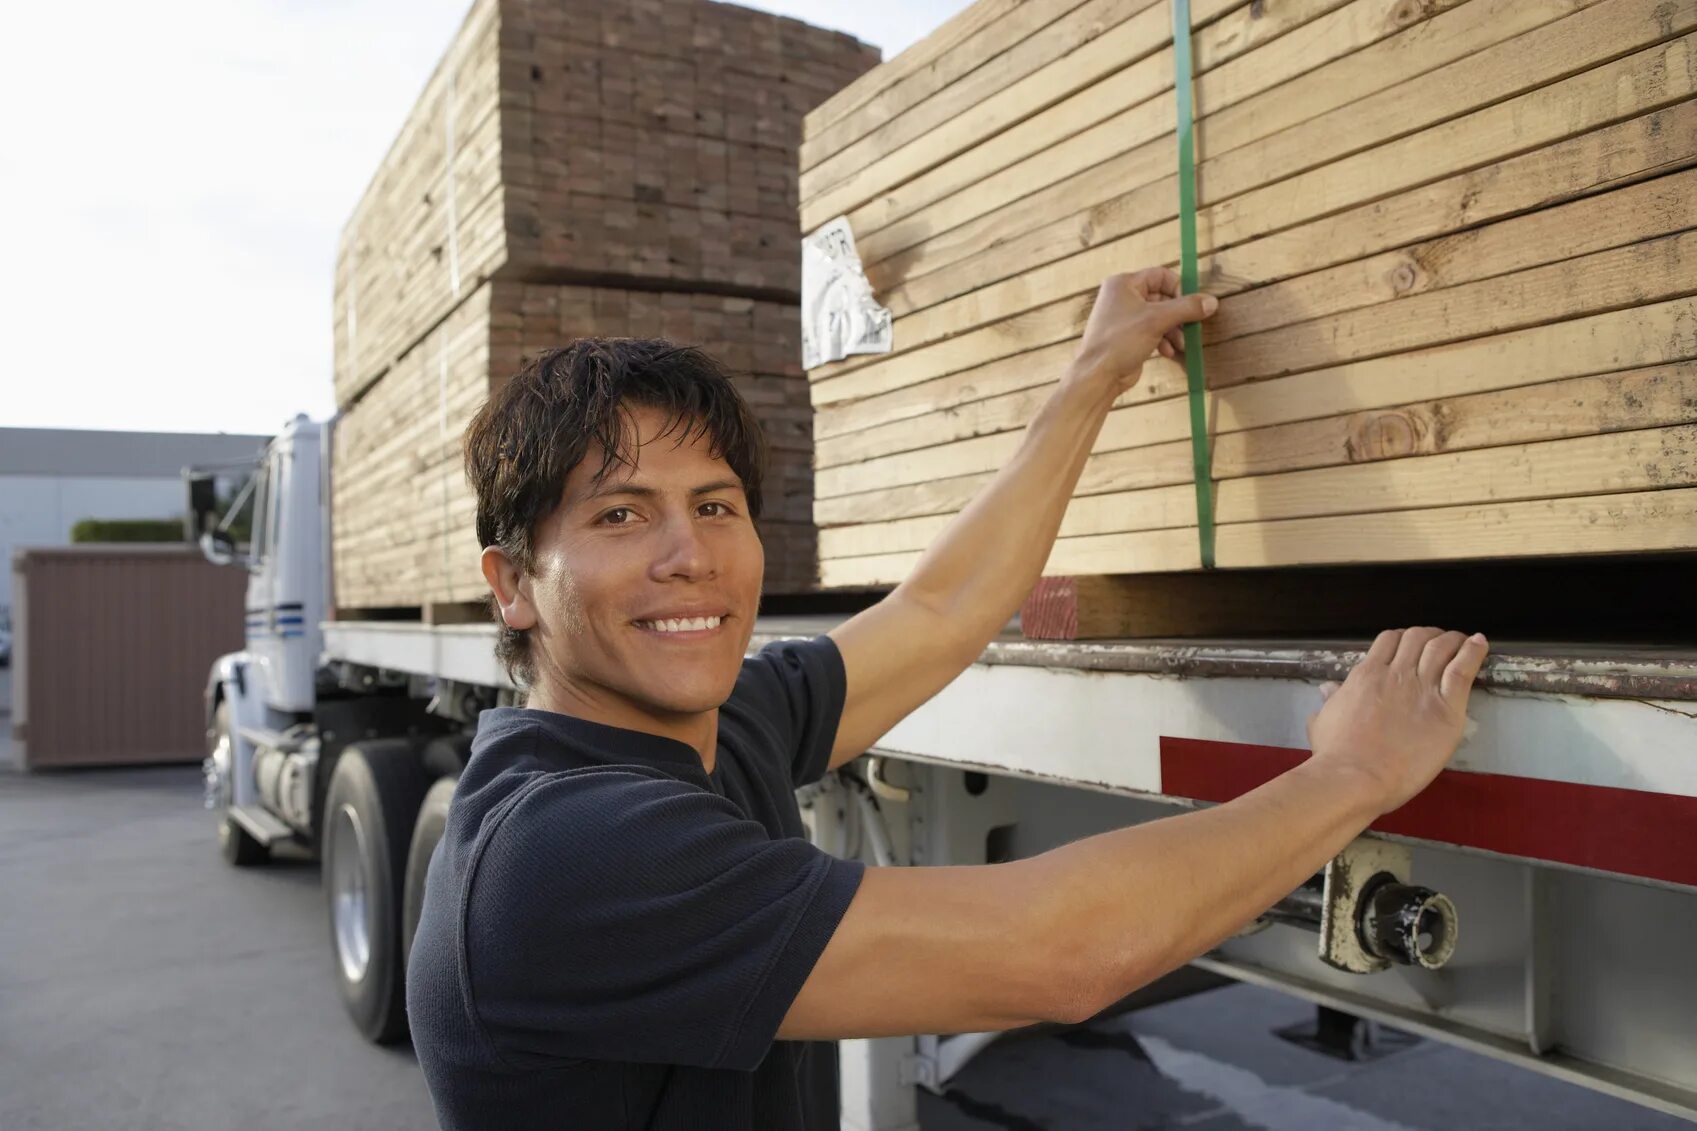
x: 1664, y: 75
x: 1636, y: 149
x: 403, y: 515
x: 1560, y: 236
x: 1636, y: 522
x: 545, y: 149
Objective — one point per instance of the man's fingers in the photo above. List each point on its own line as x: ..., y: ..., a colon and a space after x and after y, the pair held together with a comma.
x: 1328, y: 689
x: 1154, y: 283
x: 1186, y: 308
x: 1437, y: 654
x: 1384, y: 646
x: 1460, y: 671
x: 1408, y: 649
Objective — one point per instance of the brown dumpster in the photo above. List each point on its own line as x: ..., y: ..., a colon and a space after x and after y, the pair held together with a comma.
x: 111, y: 648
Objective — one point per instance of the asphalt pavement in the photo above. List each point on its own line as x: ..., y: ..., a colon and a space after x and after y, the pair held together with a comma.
x: 146, y: 985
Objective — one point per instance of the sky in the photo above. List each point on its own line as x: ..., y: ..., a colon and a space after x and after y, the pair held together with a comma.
x: 174, y: 176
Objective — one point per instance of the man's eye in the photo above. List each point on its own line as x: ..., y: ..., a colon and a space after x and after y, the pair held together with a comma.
x: 724, y: 509
x: 618, y: 516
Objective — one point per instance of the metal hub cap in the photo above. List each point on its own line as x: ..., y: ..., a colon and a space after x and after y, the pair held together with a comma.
x: 215, y: 771
x: 350, y: 907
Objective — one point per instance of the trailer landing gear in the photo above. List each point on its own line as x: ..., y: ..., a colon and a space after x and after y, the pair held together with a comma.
x: 1344, y: 1036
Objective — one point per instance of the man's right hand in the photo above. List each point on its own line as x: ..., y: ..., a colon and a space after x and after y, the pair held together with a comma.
x: 1399, y: 715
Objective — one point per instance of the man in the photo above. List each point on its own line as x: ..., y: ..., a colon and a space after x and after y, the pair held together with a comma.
x: 624, y: 927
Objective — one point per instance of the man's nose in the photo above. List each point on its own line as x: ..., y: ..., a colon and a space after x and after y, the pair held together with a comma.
x: 685, y: 552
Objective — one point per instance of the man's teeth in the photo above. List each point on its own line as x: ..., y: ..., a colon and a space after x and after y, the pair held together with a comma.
x: 689, y: 624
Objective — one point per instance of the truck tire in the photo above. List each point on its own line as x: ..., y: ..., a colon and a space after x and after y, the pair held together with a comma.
x: 426, y: 832
x: 235, y: 843
x: 373, y: 799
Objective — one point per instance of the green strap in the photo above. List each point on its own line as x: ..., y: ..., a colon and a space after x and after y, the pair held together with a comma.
x: 1188, y: 282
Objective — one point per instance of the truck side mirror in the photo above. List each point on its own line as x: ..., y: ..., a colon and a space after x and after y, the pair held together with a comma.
x: 219, y: 547
x: 203, y: 502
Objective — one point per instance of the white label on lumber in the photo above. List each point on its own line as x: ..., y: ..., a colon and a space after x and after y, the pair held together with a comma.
x: 839, y: 316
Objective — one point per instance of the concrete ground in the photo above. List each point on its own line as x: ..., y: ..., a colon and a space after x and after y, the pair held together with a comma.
x: 147, y: 986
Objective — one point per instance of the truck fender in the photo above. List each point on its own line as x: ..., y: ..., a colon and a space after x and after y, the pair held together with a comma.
x: 229, y: 681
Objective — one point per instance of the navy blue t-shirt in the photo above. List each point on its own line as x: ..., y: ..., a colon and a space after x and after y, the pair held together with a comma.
x: 611, y: 936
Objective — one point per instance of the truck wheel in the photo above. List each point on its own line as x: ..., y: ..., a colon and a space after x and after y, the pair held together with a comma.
x: 235, y: 844
x: 374, y: 796
x: 426, y: 832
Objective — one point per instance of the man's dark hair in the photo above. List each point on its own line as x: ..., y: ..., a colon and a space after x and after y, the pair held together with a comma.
x: 564, y: 405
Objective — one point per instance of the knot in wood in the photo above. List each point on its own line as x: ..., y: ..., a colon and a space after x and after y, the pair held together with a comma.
x: 1387, y: 435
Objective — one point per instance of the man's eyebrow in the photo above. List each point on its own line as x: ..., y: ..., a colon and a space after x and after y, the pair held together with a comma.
x: 652, y: 492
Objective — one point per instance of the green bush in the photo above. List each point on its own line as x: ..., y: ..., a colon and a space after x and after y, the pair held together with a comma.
x: 128, y: 530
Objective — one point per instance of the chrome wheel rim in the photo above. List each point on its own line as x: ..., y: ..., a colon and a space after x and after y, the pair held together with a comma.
x: 350, y: 904
x: 220, y: 787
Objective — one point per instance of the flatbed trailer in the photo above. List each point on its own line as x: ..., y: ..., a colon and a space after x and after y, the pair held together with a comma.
x: 1564, y: 834
x: 1538, y: 903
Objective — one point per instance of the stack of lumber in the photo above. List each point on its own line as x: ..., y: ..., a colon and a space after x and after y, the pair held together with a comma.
x: 403, y: 516
x: 1453, y: 241
x: 572, y: 168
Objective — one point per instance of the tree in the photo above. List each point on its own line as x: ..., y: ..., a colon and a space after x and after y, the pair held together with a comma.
x: 128, y: 530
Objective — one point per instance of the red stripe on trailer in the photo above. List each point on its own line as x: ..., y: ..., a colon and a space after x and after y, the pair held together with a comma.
x: 1626, y: 831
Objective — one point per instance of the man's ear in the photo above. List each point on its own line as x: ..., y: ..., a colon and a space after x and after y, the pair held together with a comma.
x: 511, y: 586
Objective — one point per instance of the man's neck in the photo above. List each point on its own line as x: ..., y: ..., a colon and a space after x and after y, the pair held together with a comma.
x: 699, y: 731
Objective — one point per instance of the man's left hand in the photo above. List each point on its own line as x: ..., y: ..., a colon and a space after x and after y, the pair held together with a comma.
x: 1135, y: 315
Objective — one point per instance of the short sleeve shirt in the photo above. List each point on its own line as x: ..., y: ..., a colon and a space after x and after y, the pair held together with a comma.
x: 611, y: 935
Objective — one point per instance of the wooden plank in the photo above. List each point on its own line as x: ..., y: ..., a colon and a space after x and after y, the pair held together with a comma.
x: 569, y: 154
x: 1641, y: 459
x: 990, y: 104
x: 1093, y: 210
x: 1140, y: 425
x: 1593, y: 524
x: 1009, y: 374
x: 1657, y: 142
x: 1609, y: 402
x: 969, y: 40
x: 1608, y: 221
x: 1636, y: 522
x: 1502, y: 599
x: 1642, y: 82
x: 1663, y: 334
x: 403, y: 514
x: 1063, y: 179
x: 1612, y: 463
x: 1049, y: 36
x: 937, y: 49
x: 1142, y: 34
x: 949, y: 318
x: 1008, y: 412
x: 1650, y: 271
x: 1614, y: 219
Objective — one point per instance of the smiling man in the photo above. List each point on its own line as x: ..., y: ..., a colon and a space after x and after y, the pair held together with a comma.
x: 624, y: 926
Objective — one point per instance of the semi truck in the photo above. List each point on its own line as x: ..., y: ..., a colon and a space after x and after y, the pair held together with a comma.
x: 1538, y: 904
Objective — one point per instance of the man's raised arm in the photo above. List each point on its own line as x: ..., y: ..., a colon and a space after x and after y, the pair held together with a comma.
x: 972, y: 579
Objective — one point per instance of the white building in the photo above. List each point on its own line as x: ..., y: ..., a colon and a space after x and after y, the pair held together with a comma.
x: 53, y: 478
